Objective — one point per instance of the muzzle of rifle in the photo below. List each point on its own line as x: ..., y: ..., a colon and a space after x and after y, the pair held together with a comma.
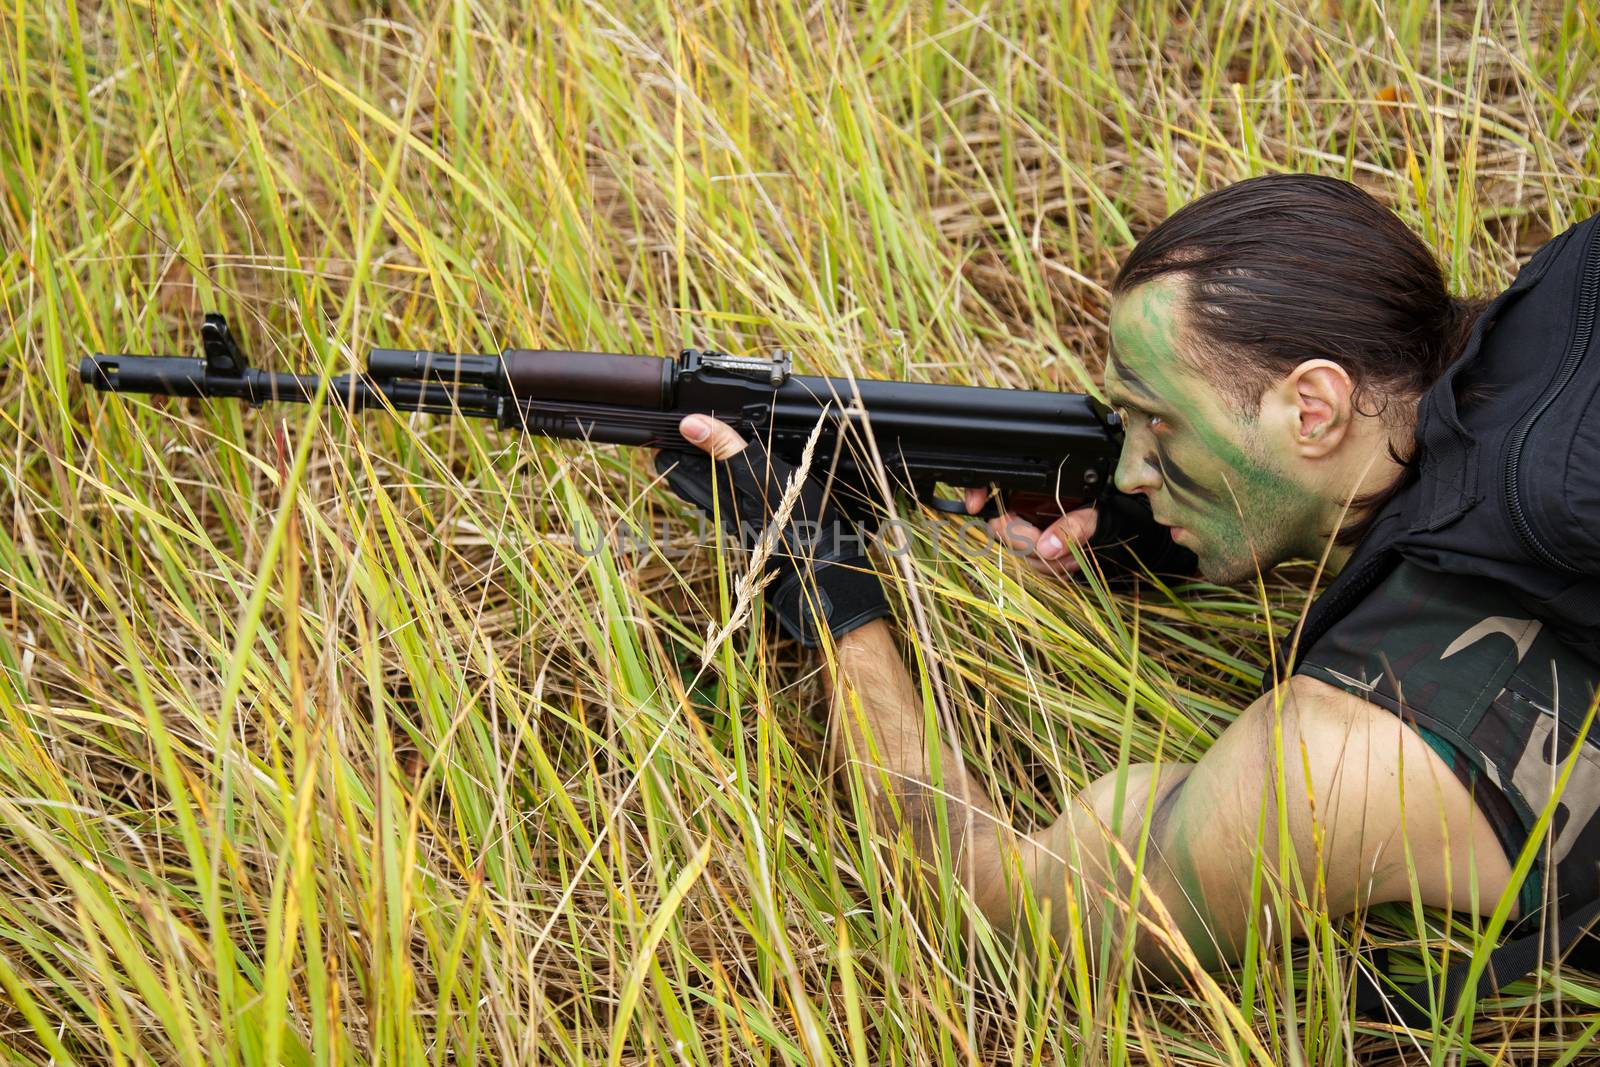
x: 166, y: 375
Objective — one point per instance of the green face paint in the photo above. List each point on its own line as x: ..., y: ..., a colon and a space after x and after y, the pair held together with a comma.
x: 1199, y: 458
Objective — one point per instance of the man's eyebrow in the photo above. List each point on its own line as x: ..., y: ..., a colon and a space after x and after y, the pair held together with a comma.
x: 1135, y: 388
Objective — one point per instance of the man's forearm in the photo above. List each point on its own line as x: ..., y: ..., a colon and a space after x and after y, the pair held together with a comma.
x: 880, y: 724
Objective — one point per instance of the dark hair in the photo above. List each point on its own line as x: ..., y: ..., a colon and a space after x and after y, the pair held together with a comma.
x: 1290, y: 267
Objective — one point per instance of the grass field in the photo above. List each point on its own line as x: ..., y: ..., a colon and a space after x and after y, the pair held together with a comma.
x: 325, y: 740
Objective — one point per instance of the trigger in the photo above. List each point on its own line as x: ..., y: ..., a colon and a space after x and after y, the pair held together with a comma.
x: 952, y: 506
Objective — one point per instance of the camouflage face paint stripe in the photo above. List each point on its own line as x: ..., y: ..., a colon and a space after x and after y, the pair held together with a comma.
x: 1179, y: 481
x: 1173, y: 473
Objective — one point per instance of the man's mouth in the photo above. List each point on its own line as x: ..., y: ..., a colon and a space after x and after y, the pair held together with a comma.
x: 1172, y: 529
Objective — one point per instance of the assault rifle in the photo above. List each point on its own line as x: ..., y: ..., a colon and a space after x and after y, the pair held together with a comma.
x: 1045, y: 452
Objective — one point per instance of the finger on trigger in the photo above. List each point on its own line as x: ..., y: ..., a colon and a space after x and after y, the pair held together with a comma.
x: 974, y: 500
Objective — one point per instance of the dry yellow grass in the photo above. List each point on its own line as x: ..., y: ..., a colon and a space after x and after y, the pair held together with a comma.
x: 324, y: 742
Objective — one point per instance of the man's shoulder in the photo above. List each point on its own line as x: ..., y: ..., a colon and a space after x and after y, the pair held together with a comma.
x: 1311, y: 690
x: 1423, y: 638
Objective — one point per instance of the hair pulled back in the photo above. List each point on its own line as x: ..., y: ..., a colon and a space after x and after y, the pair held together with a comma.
x: 1289, y: 267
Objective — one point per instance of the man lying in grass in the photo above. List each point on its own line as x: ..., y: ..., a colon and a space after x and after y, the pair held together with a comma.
x: 1269, y: 344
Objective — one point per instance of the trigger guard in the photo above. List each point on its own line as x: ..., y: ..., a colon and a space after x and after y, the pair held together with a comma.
x: 952, y: 506
x: 948, y: 505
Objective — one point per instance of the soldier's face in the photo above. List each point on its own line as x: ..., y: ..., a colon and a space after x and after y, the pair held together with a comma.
x: 1206, y: 466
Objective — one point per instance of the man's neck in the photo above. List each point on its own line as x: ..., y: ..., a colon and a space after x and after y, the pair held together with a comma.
x: 1372, y: 472
x: 1338, y: 556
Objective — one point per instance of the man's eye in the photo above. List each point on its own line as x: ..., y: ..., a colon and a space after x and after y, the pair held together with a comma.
x: 1133, y: 416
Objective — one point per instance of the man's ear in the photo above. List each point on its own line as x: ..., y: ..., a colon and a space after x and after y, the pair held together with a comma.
x: 1313, y: 404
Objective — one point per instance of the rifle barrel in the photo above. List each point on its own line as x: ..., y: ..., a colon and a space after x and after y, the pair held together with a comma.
x: 176, y: 376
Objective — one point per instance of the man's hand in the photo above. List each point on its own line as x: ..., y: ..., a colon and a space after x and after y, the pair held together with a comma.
x: 1048, y: 550
x: 713, y: 436
x: 1118, y: 529
x: 823, y: 575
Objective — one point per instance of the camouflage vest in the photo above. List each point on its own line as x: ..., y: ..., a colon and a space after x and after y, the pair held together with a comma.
x: 1461, y: 660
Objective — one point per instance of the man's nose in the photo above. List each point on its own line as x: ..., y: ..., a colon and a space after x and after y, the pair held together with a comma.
x: 1136, y: 472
